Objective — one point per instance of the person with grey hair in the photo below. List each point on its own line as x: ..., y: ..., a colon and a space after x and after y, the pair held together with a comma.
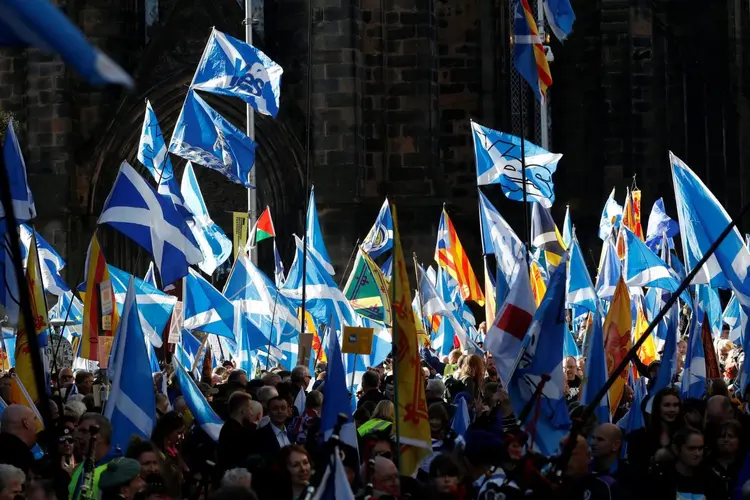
x: 265, y: 393
x: 238, y: 477
x: 435, y: 393
x: 74, y: 409
x: 12, y: 480
x: 17, y: 437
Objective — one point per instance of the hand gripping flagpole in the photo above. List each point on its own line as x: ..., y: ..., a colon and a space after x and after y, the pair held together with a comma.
x: 589, y: 410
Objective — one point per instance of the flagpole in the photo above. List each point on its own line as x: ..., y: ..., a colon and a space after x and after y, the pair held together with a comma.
x: 348, y: 263
x: 543, y: 108
x: 527, y: 225
x: 308, y: 157
x: 270, y: 334
x: 252, y: 201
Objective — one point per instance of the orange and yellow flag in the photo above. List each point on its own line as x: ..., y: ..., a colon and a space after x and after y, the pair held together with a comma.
x: 538, y: 287
x: 414, y: 428
x: 450, y: 255
x: 617, y: 340
x: 96, y: 274
x: 637, y: 228
x: 647, y: 353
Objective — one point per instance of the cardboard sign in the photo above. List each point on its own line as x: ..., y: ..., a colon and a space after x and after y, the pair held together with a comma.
x: 175, y: 326
x: 357, y: 340
x: 239, y: 235
x: 104, y: 346
x: 305, y: 349
x: 105, y: 295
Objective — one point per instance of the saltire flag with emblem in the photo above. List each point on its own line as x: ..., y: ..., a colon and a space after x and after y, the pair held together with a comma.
x: 450, y: 255
x: 596, y: 371
x: 498, y: 238
x: 611, y: 217
x: 131, y: 405
x: 232, y: 67
x: 505, y: 336
x: 380, y: 238
x: 529, y: 57
x: 97, y: 273
x: 499, y: 161
x: 545, y: 235
x: 415, y: 440
x: 659, y: 223
x: 367, y: 289
x: 204, y: 415
x: 204, y: 137
x: 647, y: 352
x: 262, y: 230
x: 314, y: 236
x: 618, y: 341
x: 135, y: 209
x: 20, y: 192
x: 560, y: 17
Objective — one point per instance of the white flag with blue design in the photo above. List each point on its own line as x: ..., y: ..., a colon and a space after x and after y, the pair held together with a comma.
x: 135, y: 209
x: 204, y: 415
x: 20, y: 192
x: 380, y: 238
x: 131, y: 405
x: 50, y: 262
x: 611, y: 217
x: 498, y: 238
x: 498, y: 158
x: 659, y: 223
x: 232, y: 67
x: 315, y: 243
x: 609, y: 271
x: 214, y: 244
x: 204, y: 137
x: 579, y: 289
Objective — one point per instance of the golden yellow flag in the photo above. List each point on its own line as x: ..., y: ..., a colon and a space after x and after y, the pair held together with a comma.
x: 24, y: 365
x: 414, y: 426
x: 538, y: 287
x: 490, y: 292
x: 647, y: 353
x: 617, y: 340
x: 239, y: 235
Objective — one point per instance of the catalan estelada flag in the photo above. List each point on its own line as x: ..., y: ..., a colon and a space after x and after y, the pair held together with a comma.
x: 414, y: 428
x: 450, y: 255
x: 618, y: 340
x: 96, y: 274
x: 528, y: 52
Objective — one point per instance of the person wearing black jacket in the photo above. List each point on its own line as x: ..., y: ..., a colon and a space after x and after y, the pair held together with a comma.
x: 238, y: 432
x: 17, y: 437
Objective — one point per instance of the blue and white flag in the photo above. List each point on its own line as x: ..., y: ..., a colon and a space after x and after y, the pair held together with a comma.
x: 9, y: 293
x: 204, y: 415
x: 150, y: 276
x: 433, y: 303
x: 50, y: 262
x: 461, y: 419
x: 387, y: 268
x: 570, y: 348
x: 579, y: 289
x: 560, y: 17
x: 203, y: 136
x: 498, y: 238
x: 334, y: 484
x: 498, y: 158
x: 693, y: 383
x: 206, y: 309
x: 611, y: 217
x: 380, y: 238
x: 708, y: 301
x: 668, y: 367
x: 642, y: 267
x: 315, y: 243
x: 64, y: 302
x: 659, y: 223
x: 20, y: 192
x: 187, y: 349
x: 734, y: 317
x: 135, y: 209
x: 567, y: 233
x: 339, y: 399
x: 609, y: 271
x: 596, y: 371
x: 543, y: 356
x: 214, y: 244
x: 232, y: 67
x: 279, y: 276
x: 131, y: 405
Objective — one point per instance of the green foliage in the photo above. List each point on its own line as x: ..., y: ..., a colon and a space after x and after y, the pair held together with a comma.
x: 5, y: 118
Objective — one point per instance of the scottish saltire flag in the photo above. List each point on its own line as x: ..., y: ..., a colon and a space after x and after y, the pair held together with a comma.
x: 433, y: 304
x: 545, y: 235
x: 150, y: 276
x: 20, y: 192
x: 693, y: 383
x: 567, y: 234
x: 498, y: 238
x: 668, y: 367
x: 579, y: 289
x: 186, y: 351
x: 642, y: 267
x: 137, y: 211
x: 50, y: 262
x: 609, y: 271
x: 708, y: 301
x: 387, y: 268
x: 529, y: 57
x: 314, y: 236
x: 461, y: 419
x: 203, y: 136
x: 131, y: 405
x: 204, y: 415
x: 596, y: 370
x: 499, y: 161
x: 461, y: 323
x: 334, y: 484
x: 570, y: 348
x: 206, y: 309
x: 339, y: 399
x: 659, y: 223
x: 543, y: 356
x: 380, y: 238
x: 279, y: 276
x: 214, y: 244
x: 734, y: 317
x: 560, y: 17
x: 611, y: 217
x: 232, y: 67
x: 154, y: 306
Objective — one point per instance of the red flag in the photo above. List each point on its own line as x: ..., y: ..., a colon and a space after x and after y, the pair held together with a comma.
x: 709, y: 353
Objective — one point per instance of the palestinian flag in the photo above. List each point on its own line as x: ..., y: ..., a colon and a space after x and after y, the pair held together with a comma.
x: 262, y: 230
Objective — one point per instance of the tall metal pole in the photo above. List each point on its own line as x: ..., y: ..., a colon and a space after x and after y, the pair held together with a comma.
x: 252, y: 202
x: 543, y: 107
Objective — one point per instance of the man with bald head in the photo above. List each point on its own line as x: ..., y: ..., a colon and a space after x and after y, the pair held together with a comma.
x: 386, y: 480
x: 606, y: 443
x: 18, y: 437
x: 579, y: 483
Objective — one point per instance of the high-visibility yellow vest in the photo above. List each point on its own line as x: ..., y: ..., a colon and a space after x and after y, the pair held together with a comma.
x: 77, y: 475
x: 373, y: 425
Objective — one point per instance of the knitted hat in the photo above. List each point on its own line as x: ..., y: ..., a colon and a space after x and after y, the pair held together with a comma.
x: 119, y: 472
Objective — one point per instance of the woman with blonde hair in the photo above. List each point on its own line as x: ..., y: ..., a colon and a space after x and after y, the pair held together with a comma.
x: 382, y: 419
x: 471, y: 374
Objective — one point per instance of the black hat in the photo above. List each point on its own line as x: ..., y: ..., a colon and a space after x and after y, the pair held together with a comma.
x: 119, y: 472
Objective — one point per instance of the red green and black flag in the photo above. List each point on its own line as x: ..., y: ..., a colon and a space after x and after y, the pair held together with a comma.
x: 262, y: 230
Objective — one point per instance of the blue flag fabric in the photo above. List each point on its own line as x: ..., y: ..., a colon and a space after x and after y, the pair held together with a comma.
x: 560, y: 17
x: 659, y: 223
x: 315, y: 243
x: 611, y: 217
x: 380, y: 238
x: 668, y: 367
x: 498, y: 159
x: 544, y: 356
x: 732, y: 316
x: 709, y: 302
x: 214, y: 244
x: 232, y: 67
x: 579, y: 289
x: 387, y: 268
x: 187, y: 349
x: 609, y: 271
x: 50, y: 262
x: 498, y: 238
x: 461, y: 419
x: 206, y: 309
x: 204, y: 415
x: 570, y: 348
x: 642, y: 267
x: 131, y: 406
x: 693, y: 383
x: 279, y: 275
x: 567, y: 233
x: 135, y: 209
x: 20, y: 192
x: 339, y: 399
x: 334, y: 484
x: 203, y: 136
x: 596, y: 370
x: 150, y: 276
x: 64, y: 302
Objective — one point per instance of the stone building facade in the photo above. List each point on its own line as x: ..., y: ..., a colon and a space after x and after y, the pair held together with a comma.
x: 394, y: 85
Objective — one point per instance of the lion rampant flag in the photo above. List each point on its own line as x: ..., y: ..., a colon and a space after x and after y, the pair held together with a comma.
x: 618, y: 340
x: 414, y: 427
x: 538, y: 287
x: 647, y: 353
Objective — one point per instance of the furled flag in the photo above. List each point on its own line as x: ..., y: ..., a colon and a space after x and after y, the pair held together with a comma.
x: 380, y: 238
x: 206, y: 309
x: 450, y: 255
x: 618, y: 340
x: 610, y: 271
x: 596, y: 371
x: 579, y: 289
x: 545, y: 235
x: 314, y: 236
x: 461, y: 419
x: 9, y: 293
x: 367, y: 289
x: 560, y: 17
x: 50, y: 262
x: 412, y: 406
x: 567, y: 234
x: 214, y: 244
x: 538, y: 286
x: 647, y: 353
x: 631, y: 215
x: 150, y: 276
x: 279, y: 276
x: 498, y: 238
x: 232, y: 67
x: 20, y: 192
x: 130, y: 407
x: 660, y: 223
x: 611, y: 217
x: 98, y: 284
x: 203, y: 136
x: 693, y: 381
x: 709, y: 351
x: 152, y: 153
x: 137, y: 211
x: 500, y: 160
x: 262, y: 230
x: 334, y: 484
x: 529, y: 56
x: 543, y: 356
x: 505, y: 336
x: 204, y: 415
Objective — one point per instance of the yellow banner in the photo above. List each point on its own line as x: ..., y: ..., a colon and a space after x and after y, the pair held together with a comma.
x: 357, y: 340
x: 617, y: 340
x: 414, y: 428
x: 239, y: 236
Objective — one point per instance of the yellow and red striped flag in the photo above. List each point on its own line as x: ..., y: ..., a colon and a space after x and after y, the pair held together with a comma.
x: 96, y: 274
x: 450, y: 255
x: 617, y: 340
x: 414, y: 429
